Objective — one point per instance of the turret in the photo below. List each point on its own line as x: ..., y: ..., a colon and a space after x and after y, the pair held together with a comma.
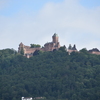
x: 55, y: 38
x: 70, y: 47
x: 74, y: 47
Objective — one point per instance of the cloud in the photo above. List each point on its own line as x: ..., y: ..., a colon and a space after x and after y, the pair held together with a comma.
x: 3, y: 4
x: 73, y: 23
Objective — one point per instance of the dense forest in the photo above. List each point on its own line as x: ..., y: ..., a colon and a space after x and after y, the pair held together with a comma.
x: 53, y: 75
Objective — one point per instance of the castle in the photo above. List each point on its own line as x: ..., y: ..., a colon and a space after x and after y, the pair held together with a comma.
x: 28, y: 51
x: 50, y: 46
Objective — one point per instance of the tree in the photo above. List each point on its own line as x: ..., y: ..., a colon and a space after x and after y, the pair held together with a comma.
x: 22, y: 51
x: 63, y: 48
x: 36, y: 52
x: 55, y: 75
x: 35, y: 46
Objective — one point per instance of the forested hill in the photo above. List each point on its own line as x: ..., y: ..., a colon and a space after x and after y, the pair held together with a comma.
x: 53, y: 75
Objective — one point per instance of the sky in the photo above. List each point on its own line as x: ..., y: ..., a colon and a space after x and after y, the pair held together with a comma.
x: 35, y: 22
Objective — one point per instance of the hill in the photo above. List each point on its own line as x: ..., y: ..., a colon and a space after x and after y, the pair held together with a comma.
x: 53, y: 75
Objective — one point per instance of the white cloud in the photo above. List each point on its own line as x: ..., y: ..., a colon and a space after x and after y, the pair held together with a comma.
x: 72, y: 22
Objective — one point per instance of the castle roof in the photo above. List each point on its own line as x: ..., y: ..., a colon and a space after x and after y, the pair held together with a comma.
x: 94, y: 50
x: 74, y: 47
x: 70, y: 47
x: 55, y: 35
x: 21, y: 44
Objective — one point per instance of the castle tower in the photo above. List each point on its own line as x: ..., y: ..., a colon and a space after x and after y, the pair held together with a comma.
x: 21, y: 45
x: 21, y: 48
x: 74, y: 48
x: 55, y: 38
x: 70, y: 47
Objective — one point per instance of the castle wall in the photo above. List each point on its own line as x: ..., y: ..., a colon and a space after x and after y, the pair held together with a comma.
x: 97, y: 53
x: 48, y: 46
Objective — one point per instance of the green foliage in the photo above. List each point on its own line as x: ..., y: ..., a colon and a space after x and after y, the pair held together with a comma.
x: 36, y: 52
x: 53, y: 75
x: 22, y: 51
x: 63, y: 48
x: 35, y: 45
x: 84, y: 50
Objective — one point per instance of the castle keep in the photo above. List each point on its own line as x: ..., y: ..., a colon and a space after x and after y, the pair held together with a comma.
x: 52, y: 45
x: 28, y: 51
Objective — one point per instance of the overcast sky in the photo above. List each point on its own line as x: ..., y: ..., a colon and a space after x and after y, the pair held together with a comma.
x: 35, y: 21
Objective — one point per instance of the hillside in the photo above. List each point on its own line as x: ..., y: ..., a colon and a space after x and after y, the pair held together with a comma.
x: 53, y: 75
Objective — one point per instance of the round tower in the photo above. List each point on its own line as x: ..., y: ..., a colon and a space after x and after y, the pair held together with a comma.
x: 55, y: 38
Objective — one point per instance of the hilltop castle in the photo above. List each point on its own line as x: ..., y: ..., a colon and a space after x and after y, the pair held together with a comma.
x: 28, y: 51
